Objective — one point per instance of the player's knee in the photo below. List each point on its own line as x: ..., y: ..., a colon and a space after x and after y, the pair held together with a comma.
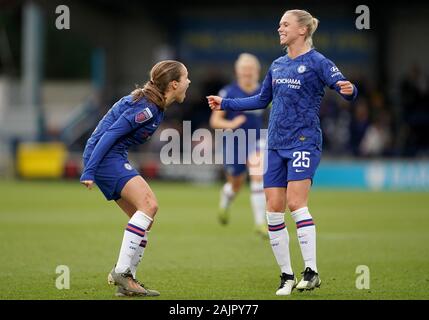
x: 294, y: 204
x: 236, y: 187
x: 153, y: 206
x: 149, y: 206
x: 275, y: 206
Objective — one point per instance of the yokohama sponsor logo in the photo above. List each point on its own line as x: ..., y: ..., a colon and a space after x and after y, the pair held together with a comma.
x: 288, y: 81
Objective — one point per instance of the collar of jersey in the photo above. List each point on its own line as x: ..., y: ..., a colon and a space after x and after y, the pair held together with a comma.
x: 300, y: 56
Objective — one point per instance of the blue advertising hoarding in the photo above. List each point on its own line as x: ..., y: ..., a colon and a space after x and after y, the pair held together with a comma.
x: 374, y: 175
x: 214, y: 40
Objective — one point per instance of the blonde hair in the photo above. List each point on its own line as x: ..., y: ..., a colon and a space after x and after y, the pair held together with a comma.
x: 160, y: 76
x: 305, y: 19
x: 247, y: 57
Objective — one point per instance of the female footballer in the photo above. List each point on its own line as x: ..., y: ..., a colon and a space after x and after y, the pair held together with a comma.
x: 247, y: 70
x: 295, y: 84
x: 132, y: 121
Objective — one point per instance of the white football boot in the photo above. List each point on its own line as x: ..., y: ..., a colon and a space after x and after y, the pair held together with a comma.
x: 287, y: 284
x: 309, y: 281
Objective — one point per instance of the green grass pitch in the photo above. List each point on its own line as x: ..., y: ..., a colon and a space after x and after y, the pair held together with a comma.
x: 190, y: 256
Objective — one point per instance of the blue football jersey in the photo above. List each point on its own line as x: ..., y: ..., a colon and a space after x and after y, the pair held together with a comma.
x: 126, y: 124
x: 296, y: 88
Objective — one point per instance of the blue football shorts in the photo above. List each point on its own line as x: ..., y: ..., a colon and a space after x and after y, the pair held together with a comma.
x: 285, y: 165
x: 111, y: 176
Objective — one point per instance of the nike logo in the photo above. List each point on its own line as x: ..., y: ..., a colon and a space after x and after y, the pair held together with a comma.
x: 154, y: 125
x: 299, y: 170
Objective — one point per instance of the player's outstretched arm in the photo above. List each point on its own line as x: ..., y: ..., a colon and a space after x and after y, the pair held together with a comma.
x: 258, y: 101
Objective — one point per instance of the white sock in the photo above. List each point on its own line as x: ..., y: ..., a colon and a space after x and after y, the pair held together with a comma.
x: 133, y: 236
x: 138, y: 256
x: 306, y: 231
x: 257, y: 199
x: 279, y: 239
x: 226, y: 196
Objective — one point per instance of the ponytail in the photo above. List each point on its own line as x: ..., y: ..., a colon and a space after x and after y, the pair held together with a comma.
x: 310, y: 30
x: 151, y: 92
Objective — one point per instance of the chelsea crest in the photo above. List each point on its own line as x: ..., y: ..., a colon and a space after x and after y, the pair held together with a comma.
x: 301, y: 69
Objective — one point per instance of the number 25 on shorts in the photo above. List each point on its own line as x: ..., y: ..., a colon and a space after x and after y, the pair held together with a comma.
x: 301, y: 159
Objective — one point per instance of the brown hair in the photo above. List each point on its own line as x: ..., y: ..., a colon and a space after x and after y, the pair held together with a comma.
x: 305, y: 19
x: 160, y: 76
